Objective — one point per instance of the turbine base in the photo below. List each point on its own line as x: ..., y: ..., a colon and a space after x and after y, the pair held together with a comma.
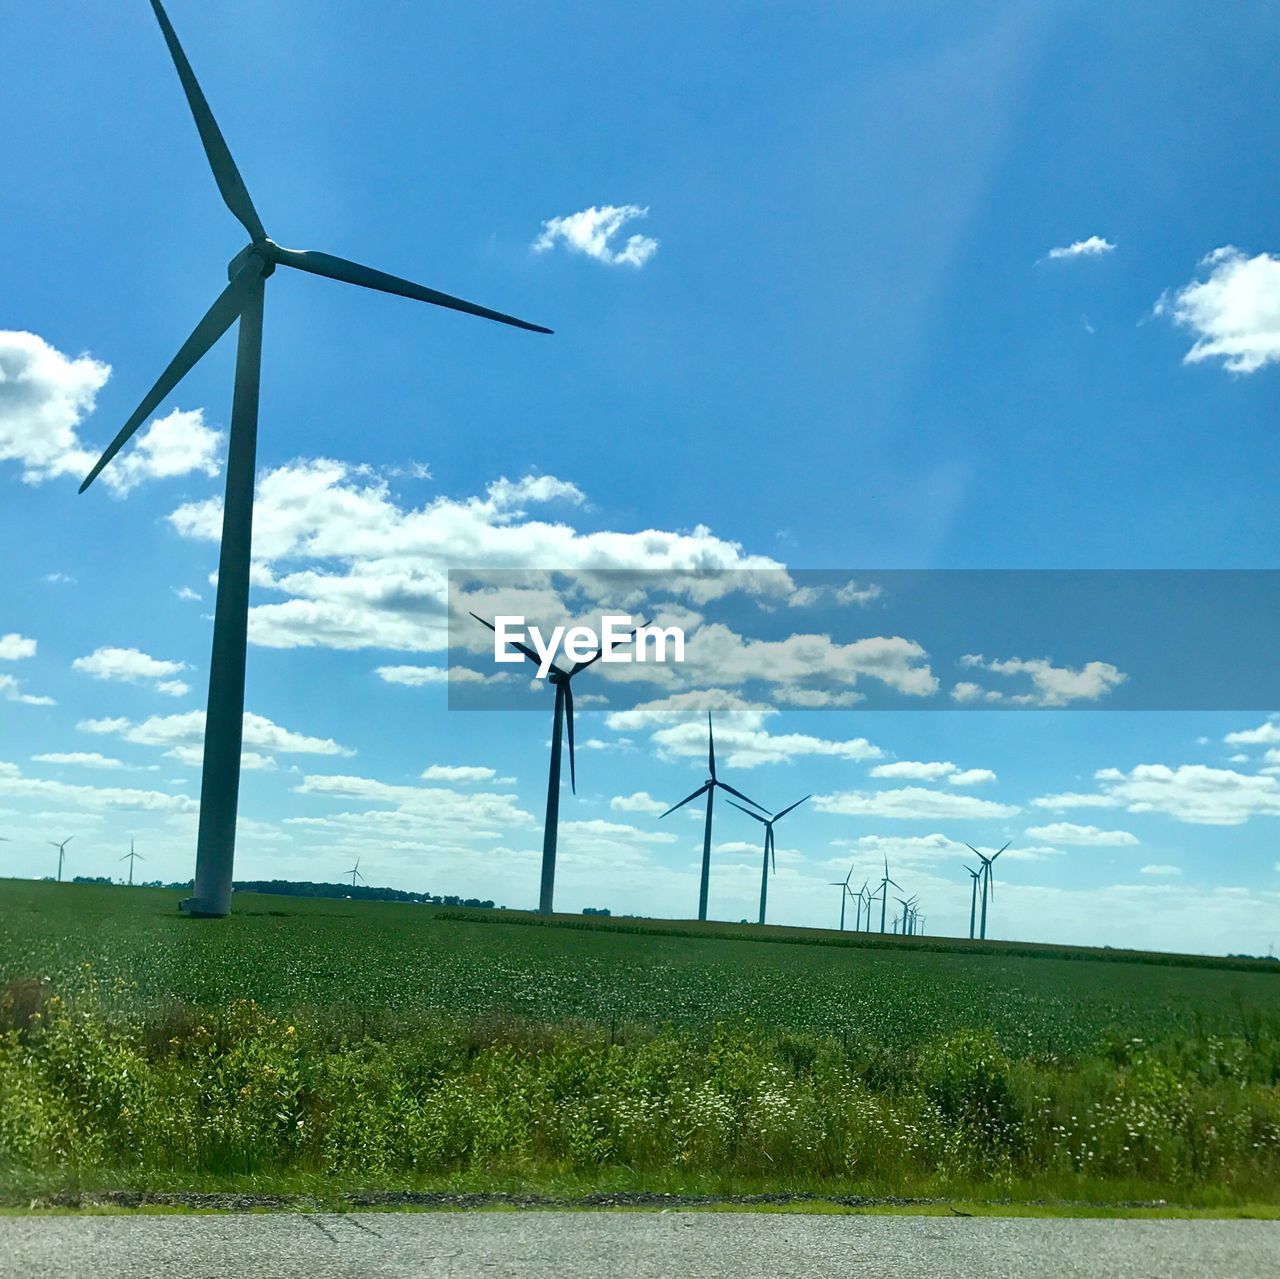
x: 201, y: 908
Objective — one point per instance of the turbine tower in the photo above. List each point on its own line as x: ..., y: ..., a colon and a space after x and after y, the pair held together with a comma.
x: 843, y: 886
x: 241, y: 301
x: 858, y: 896
x: 976, y: 876
x: 884, y: 892
x: 769, y: 856
x: 708, y: 788
x: 988, y: 888
x: 132, y: 857
x: 562, y: 718
x: 53, y: 843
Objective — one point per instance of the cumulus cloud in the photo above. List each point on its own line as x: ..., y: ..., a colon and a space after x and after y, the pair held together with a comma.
x: 64, y: 795
x: 1070, y: 833
x: 79, y: 759
x: 1160, y: 869
x: 11, y: 691
x: 1051, y: 685
x: 1095, y: 246
x: 44, y: 399
x: 911, y: 802
x: 457, y: 773
x: 181, y: 735
x: 15, y: 647
x: 186, y: 593
x: 131, y: 666
x: 1233, y: 311
x: 592, y: 232
x: 1193, y: 793
x: 1266, y: 734
x: 640, y: 802
x: 933, y: 771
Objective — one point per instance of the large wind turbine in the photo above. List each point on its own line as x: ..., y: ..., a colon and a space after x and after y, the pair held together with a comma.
x: 858, y: 897
x: 355, y: 874
x: 53, y: 843
x: 708, y: 788
x: 988, y: 888
x: 769, y: 856
x: 884, y: 891
x: 132, y: 857
x: 976, y: 876
x: 562, y: 718
x: 843, y: 886
x: 241, y: 301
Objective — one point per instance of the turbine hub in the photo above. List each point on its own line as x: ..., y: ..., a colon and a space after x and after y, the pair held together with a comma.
x: 260, y: 249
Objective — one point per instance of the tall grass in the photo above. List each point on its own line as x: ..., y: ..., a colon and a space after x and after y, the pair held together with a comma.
x: 95, y: 1089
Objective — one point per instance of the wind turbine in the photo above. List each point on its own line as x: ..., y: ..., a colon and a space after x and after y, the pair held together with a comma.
x: 767, y: 823
x: 858, y: 896
x: 131, y: 857
x: 53, y: 843
x: 241, y: 301
x: 562, y: 682
x: 884, y: 891
x: 988, y: 888
x: 355, y: 874
x: 906, y: 904
x: 976, y: 876
x: 843, y: 886
x: 708, y: 788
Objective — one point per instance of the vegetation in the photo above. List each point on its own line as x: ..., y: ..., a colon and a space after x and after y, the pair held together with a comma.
x: 384, y: 1046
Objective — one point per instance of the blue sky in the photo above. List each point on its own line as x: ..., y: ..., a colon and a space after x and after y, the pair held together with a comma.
x: 843, y: 341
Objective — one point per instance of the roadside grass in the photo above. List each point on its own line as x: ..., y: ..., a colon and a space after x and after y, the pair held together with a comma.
x: 363, y: 1054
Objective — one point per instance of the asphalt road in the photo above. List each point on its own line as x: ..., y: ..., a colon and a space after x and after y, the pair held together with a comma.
x: 623, y: 1245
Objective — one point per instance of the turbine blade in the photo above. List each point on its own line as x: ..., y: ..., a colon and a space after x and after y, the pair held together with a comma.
x: 568, y: 714
x: 217, y: 320
x: 333, y: 268
x: 785, y: 811
x: 528, y: 652
x: 711, y: 751
x: 740, y: 795
x: 234, y: 193
x: 773, y: 849
x: 599, y: 653
x: 687, y: 799
x: 995, y: 855
x: 973, y: 850
x: 763, y: 820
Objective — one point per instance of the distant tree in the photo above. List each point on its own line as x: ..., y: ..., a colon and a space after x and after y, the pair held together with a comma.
x: 596, y: 910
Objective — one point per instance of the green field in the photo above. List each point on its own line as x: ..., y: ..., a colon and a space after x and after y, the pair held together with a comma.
x: 385, y: 1045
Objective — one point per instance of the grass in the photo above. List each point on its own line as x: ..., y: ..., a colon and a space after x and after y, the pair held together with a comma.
x: 328, y: 1048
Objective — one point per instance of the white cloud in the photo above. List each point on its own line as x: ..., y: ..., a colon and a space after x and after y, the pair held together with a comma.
x: 1161, y: 870
x: 178, y: 444
x: 1053, y: 685
x: 1266, y: 734
x: 457, y: 773
x: 59, y: 579
x: 186, y: 593
x: 132, y: 666
x: 1070, y: 833
x: 90, y: 798
x: 1234, y: 311
x: 81, y: 759
x: 250, y: 761
x: 933, y: 771
x: 640, y: 802
x: 15, y: 647
x: 747, y: 747
x: 358, y: 570
x: 592, y: 232
x: 11, y: 691
x: 1192, y: 793
x: 911, y: 802
x: 1093, y: 247
x: 44, y: 396
x: 186, y: 730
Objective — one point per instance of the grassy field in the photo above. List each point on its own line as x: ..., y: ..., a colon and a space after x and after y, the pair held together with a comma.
x: 371, y: 1045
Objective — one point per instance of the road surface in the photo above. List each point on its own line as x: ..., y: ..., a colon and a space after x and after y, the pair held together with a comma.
x: 629, y: 1245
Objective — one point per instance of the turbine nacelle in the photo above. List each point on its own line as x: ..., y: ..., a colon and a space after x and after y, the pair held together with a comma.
x: 262, y: 250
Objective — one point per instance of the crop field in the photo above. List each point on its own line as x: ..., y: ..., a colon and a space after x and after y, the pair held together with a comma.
x: 384, y: 1045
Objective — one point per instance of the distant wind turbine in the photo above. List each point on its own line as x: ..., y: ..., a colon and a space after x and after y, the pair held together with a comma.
x: 843, y: 886
x: 884, y: 892
x: 131, y: 856
x: 241, y: 301
x: 53, y: 843
x: 355, y: 874
x: 769, y: 854
x: 708, y: 788
x: 562, y: 719
x: 988, y: 888
x: 858, y: 896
